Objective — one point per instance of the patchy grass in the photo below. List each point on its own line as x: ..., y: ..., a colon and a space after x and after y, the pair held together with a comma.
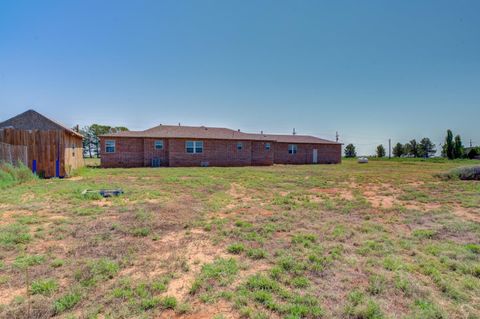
x: 384, y: 240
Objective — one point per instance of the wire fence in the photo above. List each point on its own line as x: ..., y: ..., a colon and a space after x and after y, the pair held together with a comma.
x: 13, y: 154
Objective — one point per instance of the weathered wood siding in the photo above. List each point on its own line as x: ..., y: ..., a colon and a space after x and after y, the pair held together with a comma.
x: 45, y: 147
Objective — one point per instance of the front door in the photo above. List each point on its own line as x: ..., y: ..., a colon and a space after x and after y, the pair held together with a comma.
x: 315, y: 156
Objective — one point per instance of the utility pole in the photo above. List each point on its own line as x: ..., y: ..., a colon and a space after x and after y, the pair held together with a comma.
x: 336, y: 136
x: 389, y: 148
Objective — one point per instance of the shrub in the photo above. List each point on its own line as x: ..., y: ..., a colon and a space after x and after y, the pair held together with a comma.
x: 376, y: 284
x: 221, y: 271
x: 141, y: 232
x: 360, y: 307
x: 463, y: 173
x: 25, y: 261
x: 424, y: 233
x: 474, y: 248
x: 66, y: 302
x: 11, y: 175
x: 423, y: 309
x: 14, y: 234
x: 236, y: 248
x: 300, y: 282
x: 256, y: 253
x: 101, y: 269
x: 44, y: 287
x: 169, y: 302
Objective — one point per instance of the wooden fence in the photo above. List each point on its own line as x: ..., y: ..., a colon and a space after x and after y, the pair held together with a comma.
x: 13, y: 154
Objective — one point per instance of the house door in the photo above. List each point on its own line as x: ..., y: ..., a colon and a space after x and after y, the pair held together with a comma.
x: 315, y: 156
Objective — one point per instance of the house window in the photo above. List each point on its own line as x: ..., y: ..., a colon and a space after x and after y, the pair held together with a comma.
x: 194, y: 147
x: 109, y: 146
x: 239, y: 146
x: 73, y: 150
x: 159, y: 145
x: 267, y: 146
x: 292, y: 148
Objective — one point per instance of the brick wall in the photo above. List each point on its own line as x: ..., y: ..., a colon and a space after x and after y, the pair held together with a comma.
x: 139, y: 152
x: 128, y: 152
x: 150, y: 152
x: 260, y: 155
x: 215, y: 153
x: 326, y: 154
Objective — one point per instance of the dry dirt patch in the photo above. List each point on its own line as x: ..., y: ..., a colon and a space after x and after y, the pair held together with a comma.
x: 333, y: 192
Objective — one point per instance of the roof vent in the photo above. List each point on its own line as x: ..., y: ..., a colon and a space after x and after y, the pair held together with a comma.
x: 261, y: 132
x: 239, y: 130
x: 294, y: 133
x: 178, y: 123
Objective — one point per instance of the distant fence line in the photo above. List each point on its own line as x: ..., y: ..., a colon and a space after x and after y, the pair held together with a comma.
x: 13, y: 154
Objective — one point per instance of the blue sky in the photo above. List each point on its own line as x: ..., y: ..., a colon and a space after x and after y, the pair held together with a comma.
x: 371, y: 70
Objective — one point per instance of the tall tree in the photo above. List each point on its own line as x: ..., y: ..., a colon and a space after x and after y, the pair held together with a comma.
x: 426, y: 148
x: 98, y: 129
x: 411, y: 148
x: 398, y: 150
x: 448, y: 146
x: 88, y: 146
x: 380, y: 151
x: 458, y: 149
x: 350, y: 151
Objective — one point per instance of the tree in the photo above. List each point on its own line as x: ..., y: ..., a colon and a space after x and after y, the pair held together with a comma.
x: 380, y: 151
x: 398, y: 150
x: 91, y: 134
x: 411, y: 148
x: 88, y: 146
x: 474, y: 152
x: 458, y: 149
x: 448, y: 146
x: 426, y: 148
x: 350, y: 151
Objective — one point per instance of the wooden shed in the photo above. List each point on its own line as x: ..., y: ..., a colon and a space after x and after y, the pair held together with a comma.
x: 49, y: 148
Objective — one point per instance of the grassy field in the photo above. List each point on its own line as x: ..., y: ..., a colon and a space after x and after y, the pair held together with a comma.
x: 383, y: 240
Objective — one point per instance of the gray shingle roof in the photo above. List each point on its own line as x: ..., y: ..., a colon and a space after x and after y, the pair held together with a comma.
x: 203, y: 132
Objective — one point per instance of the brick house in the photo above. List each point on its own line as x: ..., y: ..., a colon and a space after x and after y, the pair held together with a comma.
x: 167, y: 145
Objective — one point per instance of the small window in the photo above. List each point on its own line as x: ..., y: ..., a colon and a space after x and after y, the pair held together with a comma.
x: 110, y: 146
x: 198, y: 147
x: 194, y: 147
x: 159, y: 145
x: 267, y: 146
x: 239, y: 146
x: 292, y: 148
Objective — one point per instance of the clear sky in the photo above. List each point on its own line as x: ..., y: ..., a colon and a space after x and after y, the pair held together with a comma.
x: 371, y: 70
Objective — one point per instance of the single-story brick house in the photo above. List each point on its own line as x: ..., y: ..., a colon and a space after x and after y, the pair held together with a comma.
x: 167, y: 145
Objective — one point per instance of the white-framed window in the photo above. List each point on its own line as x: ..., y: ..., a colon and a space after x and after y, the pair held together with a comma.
x: 292, y: 148
x: 267, y: 146
x: 158, y: 145
x: 239, y: 146
x: 109, y: 146
x: 194, y: 147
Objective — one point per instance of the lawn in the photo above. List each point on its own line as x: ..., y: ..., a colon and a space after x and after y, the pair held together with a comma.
x: 387, y: 239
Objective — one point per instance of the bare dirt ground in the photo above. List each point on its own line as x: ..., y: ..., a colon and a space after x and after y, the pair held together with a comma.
x: 384, y: 240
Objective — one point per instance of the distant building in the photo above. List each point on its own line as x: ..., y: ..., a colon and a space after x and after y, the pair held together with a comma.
x: 167, y: 145
x: 52, y: 149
